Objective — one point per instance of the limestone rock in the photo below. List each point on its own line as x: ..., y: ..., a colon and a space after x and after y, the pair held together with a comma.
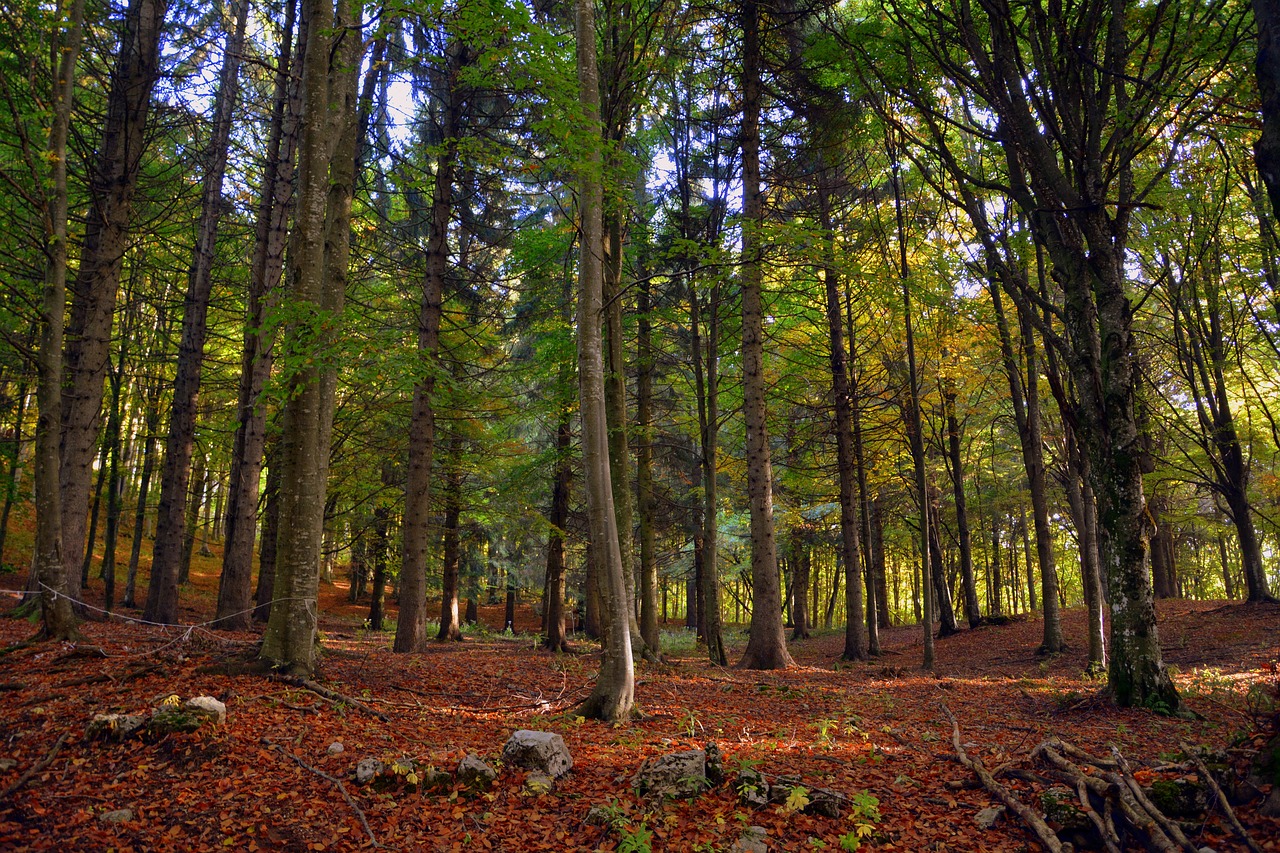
x: 823, y: 802
x: 117, y: 816
x: 715, y: 764
x: 335, y: 748
x: 475, y: 774
x: 751, y: 841
x: 538, y: 783
x: 543, y: 751
x: 369, y: 769
x: 115, y: 726
x: 989, y: 817
x: 206, y: 706
x: 680, y: 774
x: 752, y: 788
x: 1271, y: 808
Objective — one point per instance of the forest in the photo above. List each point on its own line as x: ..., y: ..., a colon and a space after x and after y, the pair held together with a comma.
x: 648, y: 346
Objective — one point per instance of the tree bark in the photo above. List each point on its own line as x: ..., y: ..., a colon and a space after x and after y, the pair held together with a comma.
x: 168, y: 556
x: 1266, y: 150
x: 972, y: 611
x: 50, y: 570
x: 411, y: 625
x: 613, y: 696
x: 450, y: 625
x: 235, y: 588
x: 113, y: 180
x: 321, y: 236
x: 767, y: 645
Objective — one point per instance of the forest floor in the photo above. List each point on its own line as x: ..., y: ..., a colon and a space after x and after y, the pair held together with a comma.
x: 267, y: 778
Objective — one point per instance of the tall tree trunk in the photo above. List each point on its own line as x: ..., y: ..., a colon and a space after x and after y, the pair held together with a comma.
x: 644, y: 470
x: 848, y: 457
x: 235, y: 588
x: 264, y: 593
x: 915, y: 431
x: 58, y: 620
x: 317, y: 279
x: 378, y: 585
x: 972, y: 612
x: 946, y: 613
x: 168, y: 558
x: 411, y: 623
x: 613, y: 696
x: 801, y: 577
x: 1266, y: 150
x: 767, y: 645
x: 556, y: 639
x: 93, y: 295
x: 151, y: 425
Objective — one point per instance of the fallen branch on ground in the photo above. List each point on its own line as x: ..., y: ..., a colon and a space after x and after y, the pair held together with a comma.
x: 1221, y: 798
x: 336, y: 781
x: 1043, y: 833
x: 35, y: 768
x: 321, y: 690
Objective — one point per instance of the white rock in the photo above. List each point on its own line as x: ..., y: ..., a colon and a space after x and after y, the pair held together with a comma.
x: 335, y: 748
x: 206, y: 706
x: 543, y: 751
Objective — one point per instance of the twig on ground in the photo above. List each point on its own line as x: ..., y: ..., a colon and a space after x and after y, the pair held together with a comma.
x: 35, y: 768
x: 1044, y: 834
x: 1222, y: 799
x: 321, y: 690
x: 336, y: 781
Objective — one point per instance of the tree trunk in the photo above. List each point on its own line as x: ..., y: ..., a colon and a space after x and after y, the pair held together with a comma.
x: 972, y: 612
x: 317, y: 276
x: 801, y: 577
x: 58, y: 620
x: 235, y: 588
x: 613, y: 696
x: 93, y: 295
x: 1266, y: 150
x: 168, y: 558
x: 378, y: 584
x: 264, y: 594
x: 644, y: 471
x: 450, y: 626
x: 411, y: 624
x: 767, y: 645
x: 944, y: 610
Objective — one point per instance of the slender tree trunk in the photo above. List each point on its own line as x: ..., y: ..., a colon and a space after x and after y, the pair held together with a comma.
x: 378, y: 586
x: 767, y: 645
x: 264, y: 594
x: 151, y: 425
x: 450, y: 626
x: 644, y: 471
x: 106, y: 238
x: 946, y: 613
x: 168, y: 558
x: 15, y: 468
x: 1266, y: 150
x: 915, y: 432
x: 876, y: 566
x: 971, y: 610
x: 58, y: 620
x: 801, y: 574
x: 614, y: 693
x: 411, y: 623
x: 848, y: 456
x: 556, y: 639
x: 235, y: 588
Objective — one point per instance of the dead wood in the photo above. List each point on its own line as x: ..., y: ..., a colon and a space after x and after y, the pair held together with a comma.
x: 1221, y: 798
x: 1048, y: 839
x: 35, y: 768
x: 336, y: 781
x: 321, y: 690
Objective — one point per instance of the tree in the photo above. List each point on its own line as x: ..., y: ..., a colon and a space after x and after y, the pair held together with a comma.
x: 162, y: 591
x: 317, y: 272
x: 613, y: 696
x: 113, y: 181
x: 58, y: 619
x: 767, y: 646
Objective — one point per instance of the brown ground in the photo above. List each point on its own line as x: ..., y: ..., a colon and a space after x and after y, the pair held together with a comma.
x: 874, y: 727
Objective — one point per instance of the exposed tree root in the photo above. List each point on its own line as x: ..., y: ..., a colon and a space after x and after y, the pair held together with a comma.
x: 1221, y: 799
